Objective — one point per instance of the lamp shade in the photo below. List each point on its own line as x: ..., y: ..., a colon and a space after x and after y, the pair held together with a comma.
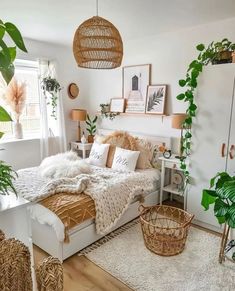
x: 178, y: 120
x: 78, y: 114
x: 97, y: 44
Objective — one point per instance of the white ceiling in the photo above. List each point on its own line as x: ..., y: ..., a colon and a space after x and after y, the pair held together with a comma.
x: 56, y: 20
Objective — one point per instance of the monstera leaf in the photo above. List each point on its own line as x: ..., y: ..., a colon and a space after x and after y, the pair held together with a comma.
x: 222, y: 195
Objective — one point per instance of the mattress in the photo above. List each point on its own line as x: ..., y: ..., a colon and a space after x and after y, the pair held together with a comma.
x: 75, y: 211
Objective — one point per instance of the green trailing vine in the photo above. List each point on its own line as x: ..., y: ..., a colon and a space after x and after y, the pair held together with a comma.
x: 105, y: 113
x: 51, y: 88
x: 214, y: 53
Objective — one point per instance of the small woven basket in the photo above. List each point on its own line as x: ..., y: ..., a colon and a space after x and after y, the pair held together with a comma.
x: 165, y: 228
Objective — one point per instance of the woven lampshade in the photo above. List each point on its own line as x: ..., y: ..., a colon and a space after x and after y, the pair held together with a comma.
x: 97, y: 44
x: 178, y: 119
x: 78, y: 114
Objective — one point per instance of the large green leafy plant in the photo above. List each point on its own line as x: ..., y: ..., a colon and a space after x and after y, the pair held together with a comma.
x: 222, y: 195
x: 209, y: 54
x: 7, y: 69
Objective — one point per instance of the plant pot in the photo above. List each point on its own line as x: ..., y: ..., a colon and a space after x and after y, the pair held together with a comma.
x: 17, y: 130
x: 224, y: 57
x: 90, y: 138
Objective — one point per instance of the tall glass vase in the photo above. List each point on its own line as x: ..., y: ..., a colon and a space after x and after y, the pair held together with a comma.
x: 17, y: 130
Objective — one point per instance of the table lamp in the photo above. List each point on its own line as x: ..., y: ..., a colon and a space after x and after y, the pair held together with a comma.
x: 78, y: 115
x: 177, y: 123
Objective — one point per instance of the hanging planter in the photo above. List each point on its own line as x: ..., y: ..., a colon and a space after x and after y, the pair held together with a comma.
x: 51, y: 88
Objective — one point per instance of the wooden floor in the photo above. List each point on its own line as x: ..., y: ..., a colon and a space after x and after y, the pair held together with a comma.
x: 80, y: 274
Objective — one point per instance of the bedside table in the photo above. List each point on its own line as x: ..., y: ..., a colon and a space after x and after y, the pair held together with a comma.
x: 172, y: 166
x: 84, y: 147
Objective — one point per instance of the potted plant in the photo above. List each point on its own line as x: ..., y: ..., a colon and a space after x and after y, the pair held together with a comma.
x: 51, y: 87
x: 106, y: 113
x: 8, y: 55
x: 221, y: 194
x: 91, y: 128
x: 222, y: 51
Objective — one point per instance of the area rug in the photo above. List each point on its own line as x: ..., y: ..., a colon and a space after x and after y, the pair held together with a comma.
x: 124, y: 255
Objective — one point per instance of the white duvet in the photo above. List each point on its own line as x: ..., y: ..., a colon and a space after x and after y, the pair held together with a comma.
x: 45, y: 216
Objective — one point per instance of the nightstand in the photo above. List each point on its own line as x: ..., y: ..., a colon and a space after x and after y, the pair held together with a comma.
x: 83, y: 147
x: 172, y: 178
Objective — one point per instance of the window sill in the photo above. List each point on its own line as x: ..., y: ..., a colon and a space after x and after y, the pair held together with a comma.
x: 13, y: 140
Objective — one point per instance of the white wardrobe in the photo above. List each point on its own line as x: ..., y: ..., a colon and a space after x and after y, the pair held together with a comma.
x: 213, y: 150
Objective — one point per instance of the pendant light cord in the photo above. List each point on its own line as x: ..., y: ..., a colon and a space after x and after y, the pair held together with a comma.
x: 97, y: 4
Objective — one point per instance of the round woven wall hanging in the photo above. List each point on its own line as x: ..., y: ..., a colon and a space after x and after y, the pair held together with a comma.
x: 97, y: 44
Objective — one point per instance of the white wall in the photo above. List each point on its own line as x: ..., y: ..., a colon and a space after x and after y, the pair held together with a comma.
x: 26, y: 153
x: 169, y: 54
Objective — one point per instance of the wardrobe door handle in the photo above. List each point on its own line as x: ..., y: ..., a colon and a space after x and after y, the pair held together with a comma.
x: 231, y: 152
x: 223, y: 150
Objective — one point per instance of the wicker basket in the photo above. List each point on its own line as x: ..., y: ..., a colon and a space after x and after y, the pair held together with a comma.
x: 165, y: 229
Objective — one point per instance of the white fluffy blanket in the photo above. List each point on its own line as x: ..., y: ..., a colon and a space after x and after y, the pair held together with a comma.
x: 63, y: 165
x: 112, y: 191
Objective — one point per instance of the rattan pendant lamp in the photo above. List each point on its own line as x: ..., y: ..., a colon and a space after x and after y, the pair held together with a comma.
x: 97, y: 44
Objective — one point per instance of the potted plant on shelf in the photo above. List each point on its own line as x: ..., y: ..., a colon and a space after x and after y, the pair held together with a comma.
x: 91, y: 128
x: 51, y: 87
x: 221, y: 51
x: 8, y: 55
x: 221, y: 194
x: 106, y: 113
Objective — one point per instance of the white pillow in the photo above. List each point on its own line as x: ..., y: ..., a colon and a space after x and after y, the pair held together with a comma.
x: 98, y: 154
x: 125, y: 160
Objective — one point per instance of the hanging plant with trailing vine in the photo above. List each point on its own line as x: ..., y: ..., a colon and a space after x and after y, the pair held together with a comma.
x: 51, y: 88
x: 215, y: 53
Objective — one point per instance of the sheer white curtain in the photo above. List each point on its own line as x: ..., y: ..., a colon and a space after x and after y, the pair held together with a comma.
x: 53, y: 139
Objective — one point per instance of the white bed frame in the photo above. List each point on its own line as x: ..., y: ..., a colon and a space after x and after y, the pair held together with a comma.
x: 45, y: 237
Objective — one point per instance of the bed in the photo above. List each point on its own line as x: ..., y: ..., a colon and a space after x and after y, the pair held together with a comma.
x: 48, y: 231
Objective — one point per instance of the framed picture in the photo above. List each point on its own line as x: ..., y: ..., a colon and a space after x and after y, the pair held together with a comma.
x: 117, y: 104
x: 135, y: 80
x: 156, y: 97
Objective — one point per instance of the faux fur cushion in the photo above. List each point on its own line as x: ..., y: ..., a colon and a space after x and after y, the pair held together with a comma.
x: 63, y: 165
x: 119, y: 139
x: 146, y: 153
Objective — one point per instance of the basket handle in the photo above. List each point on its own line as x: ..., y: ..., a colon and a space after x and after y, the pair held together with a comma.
x: 141, y: 208
x: 190, y: 220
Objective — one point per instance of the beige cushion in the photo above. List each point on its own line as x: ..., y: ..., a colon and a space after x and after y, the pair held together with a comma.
x: 119, y: 139
x: 146, y: 154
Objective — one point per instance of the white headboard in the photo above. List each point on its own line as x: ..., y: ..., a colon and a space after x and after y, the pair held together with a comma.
x: 155, y: 140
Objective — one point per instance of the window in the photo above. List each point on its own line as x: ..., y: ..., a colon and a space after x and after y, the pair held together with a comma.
x: 28, y: 72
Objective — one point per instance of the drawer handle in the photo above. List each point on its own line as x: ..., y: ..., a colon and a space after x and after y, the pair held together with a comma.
x: 231, y: 152
x: 222, y: 150
x: 174, y: 166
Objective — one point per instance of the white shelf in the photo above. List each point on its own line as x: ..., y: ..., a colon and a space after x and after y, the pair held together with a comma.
x: 172, y: 189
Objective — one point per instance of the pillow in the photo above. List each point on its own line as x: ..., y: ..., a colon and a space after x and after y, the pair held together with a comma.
x: 120, y: 139
x: 98, y: 154
x: 146, y: 153
x: 99, y: 138
x: 125, y: 160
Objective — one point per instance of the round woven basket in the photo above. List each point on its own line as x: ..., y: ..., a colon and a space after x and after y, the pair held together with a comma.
x: 97, y: 44
x: 165, y: 228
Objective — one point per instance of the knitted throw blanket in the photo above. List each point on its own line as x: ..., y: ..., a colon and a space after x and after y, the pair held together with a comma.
x: 112, y: 191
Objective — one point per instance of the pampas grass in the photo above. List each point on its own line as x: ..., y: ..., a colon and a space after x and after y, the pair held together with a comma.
x: 15, y: 97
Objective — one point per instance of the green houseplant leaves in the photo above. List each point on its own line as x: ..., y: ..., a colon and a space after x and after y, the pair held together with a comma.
x: 222, y: 195
x: 91, y: 124
x: 7, y: 69
x: 206, y: 55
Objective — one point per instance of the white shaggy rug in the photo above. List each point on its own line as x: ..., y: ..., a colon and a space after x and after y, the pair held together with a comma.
x: 126, y: 258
